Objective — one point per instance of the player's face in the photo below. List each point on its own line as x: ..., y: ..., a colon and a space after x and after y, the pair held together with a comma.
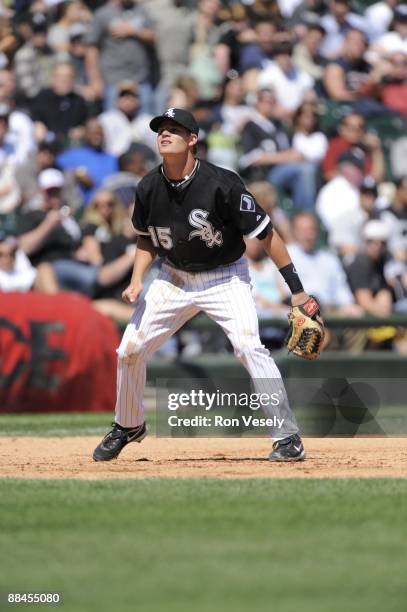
x: 173, y: 139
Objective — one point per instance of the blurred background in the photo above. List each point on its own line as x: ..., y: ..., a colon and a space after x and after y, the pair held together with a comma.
x: 306, y: 100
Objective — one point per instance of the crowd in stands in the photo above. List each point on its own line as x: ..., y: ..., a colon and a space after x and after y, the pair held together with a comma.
x: 305, y: 99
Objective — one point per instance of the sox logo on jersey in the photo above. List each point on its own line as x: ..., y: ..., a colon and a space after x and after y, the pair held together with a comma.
x: 197, y: 218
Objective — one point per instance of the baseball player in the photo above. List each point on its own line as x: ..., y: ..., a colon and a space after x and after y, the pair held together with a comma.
x: 195, y: 215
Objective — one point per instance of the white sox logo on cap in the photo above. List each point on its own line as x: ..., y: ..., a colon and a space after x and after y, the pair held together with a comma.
x: 179, y: 115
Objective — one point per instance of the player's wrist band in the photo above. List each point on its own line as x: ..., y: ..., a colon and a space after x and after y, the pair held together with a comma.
x: 289, y: 274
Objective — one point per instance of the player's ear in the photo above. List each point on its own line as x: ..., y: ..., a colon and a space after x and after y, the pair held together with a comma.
x: 193, y: 139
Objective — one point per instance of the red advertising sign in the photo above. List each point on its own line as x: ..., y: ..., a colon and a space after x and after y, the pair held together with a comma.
x: 56, y: 354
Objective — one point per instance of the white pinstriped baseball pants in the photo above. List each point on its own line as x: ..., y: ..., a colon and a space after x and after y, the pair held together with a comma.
x: 174, y: 297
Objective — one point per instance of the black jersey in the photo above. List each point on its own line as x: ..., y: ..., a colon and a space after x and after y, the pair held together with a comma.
x: 198, y: 224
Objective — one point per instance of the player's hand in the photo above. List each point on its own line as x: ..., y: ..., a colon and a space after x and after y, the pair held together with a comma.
x: 306, y: 333
x: 299, y: 298
x: 132, y: 292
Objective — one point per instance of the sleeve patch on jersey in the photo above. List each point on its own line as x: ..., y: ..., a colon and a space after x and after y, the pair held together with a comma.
x: 247, y: 203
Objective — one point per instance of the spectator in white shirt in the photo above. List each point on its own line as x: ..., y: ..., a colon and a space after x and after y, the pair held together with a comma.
x: 124, y: 124
x: 336, y: 23
x: 9, y: 190
x: 395, y: 40
x: 20, y: 125
x: 379, y: 17
x: 307, y: 138
x: 287, y: 7
x: 16, y: 271
x: 395, y: 218
x: 291, y: 85
x: 338, y: 202
x: 320, y: 270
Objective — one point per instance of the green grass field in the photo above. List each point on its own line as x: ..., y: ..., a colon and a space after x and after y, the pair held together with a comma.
x: 190, y: 545
x: 57, y: 424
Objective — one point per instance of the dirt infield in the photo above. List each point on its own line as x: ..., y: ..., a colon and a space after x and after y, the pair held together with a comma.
x: 218, y: 458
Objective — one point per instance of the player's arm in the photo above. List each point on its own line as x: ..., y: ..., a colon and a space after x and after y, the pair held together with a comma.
x: 144, y: 257
x: 145, y: 251
x: 306, y: 329
x: 276, y: 249
x: 253, y: 222
x: 306, y: 334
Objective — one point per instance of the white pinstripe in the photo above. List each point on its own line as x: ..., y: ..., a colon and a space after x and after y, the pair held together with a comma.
x: 224, y: 294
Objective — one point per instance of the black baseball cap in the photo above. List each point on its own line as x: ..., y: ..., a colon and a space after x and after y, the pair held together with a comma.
x: 369, y: 185
x: 179, y: 115
x: 39, y: 23
x: 355, y: 156
x: 400, y: 12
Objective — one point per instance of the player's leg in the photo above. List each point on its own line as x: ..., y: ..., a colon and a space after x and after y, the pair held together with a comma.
x: 163, y: 311
x: 158, y: 316
x: 230, y: 303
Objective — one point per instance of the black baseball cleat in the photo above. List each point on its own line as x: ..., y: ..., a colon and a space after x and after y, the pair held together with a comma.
x: 288, y: 449
x: 112, y: 444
